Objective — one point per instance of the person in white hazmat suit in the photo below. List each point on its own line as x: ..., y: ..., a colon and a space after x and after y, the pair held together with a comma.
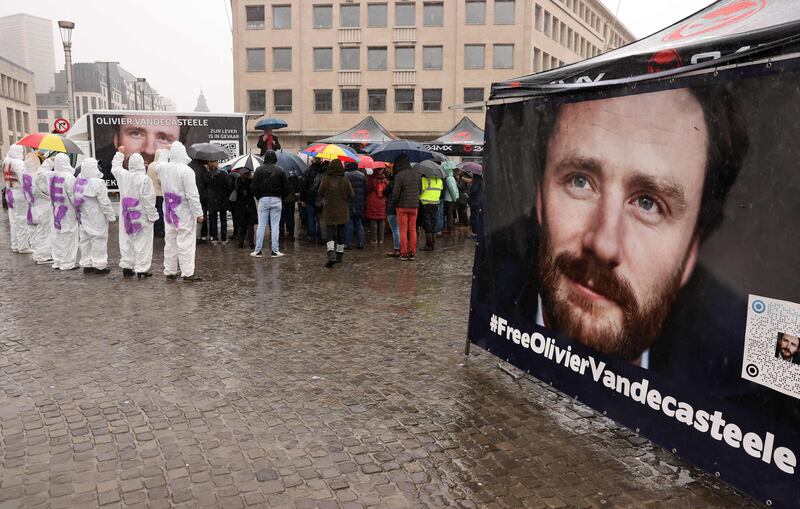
x: 43, y: 214
x: 13, y: 168
x: 65, y: 222
x: 137, y: 213
x: 182, y: 212
x: 95, y: 211
x: 38, y: 218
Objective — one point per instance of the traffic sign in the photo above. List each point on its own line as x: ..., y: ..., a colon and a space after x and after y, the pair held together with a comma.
x: 61, y: 125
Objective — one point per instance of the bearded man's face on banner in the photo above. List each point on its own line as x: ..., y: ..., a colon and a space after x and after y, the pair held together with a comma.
x: 618, y: 207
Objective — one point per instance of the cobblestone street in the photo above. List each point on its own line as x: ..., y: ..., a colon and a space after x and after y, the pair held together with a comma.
x: 279, y: 383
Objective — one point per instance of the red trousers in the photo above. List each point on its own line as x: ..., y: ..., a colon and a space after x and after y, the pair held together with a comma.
x: 407, y: 222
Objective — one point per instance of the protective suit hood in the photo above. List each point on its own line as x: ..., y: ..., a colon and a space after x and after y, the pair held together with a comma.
x: 163, y: 155
x: 61, y: 162
x: 136, y: 164
x: 16, y: 152
x: 177, y: 153
x: 47, y: 165
x: 89, y: 169
x: 32, y: 162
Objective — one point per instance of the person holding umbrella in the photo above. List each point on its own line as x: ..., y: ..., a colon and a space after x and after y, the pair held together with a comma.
x: 268, y: 140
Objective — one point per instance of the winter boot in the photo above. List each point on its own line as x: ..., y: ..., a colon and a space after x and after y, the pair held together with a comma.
x: 88, y: 270
x: 428, y: 243
x: 331, y: 259
x: 339, y: 252
x: 339, y: 257
x: 128, y: 273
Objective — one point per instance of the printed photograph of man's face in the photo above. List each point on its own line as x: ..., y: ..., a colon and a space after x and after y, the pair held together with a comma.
x: 628, y: 193
x: 143, y: 139
x: 787, y: 346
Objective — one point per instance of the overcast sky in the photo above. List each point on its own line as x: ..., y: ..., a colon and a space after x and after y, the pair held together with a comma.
x: 182, y: 46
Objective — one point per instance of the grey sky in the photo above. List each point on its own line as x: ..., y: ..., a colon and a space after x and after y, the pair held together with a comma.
x: 181, y: 46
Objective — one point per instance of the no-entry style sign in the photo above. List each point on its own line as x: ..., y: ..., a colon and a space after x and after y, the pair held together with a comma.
x: 61, y: 125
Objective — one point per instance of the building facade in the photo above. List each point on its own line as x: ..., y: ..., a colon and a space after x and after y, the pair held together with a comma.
x: 323, y: 65
x: 17, y: 103
x: 28, y: 41
x: 98, y: 86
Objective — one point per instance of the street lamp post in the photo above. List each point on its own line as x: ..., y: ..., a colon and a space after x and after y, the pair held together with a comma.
x: 65, y: 27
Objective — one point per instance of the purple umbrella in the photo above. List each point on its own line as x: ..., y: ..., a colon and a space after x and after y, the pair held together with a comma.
x: 473, y: 168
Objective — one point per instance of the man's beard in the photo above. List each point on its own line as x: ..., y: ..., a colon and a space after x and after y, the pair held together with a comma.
x: 786, y: 354
x: 641, y: 323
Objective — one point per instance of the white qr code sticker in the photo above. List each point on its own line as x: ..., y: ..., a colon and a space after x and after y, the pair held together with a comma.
x: 229, y: 146
x: 771, y: 353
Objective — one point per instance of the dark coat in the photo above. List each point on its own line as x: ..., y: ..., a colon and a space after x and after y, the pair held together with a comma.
x: 245, y: 204
x: 359, y: 184
x: 218, y: 189
x: 200, y: 178
x: 336, y: 190
x: 376, y: 199
x: 262, y: 145
x: 407, y: 188
x: 270, y: 180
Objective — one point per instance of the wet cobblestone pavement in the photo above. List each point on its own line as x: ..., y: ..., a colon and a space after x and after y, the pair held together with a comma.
x: 279, y: 383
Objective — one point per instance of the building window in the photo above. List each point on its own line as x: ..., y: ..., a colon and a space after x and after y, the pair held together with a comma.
x: 475, y: 13
x: 404, y: 58
x: 474, y: 56
x: 432, y: 99
x: 350, y: 101
x: 376, y: 15
x: 349, y: 15
x: 504, y: 12
x: 503, y: 57
x: 349, y: 59
x: 537, y: 60
x: 376, y: 99
x: 255, y: 59
x: 323, y: 101
x: 473, y: 95
x: 255, y: 17
x: 43, y: 128
x: 432, y: 57
x: 41, y: 114
x: 282, y: 100
x: 86, y: 105
x: 537, y: 17
x: 404, y: 99
x: 323, y: 59
x: 256, y: 101
x: 323, y: 16
x: 281, y: 59
x: 59, y: 113
x: 376, y: 58
x: 556, y: 25
x: 433, y: 14
x: 546, y: 24
x: 405, y: 15
x: 281, y: 16
x: 94, y: 103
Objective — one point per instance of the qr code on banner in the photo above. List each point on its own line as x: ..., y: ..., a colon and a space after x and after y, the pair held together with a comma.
x: 771, y: 347
x: 230, y: 146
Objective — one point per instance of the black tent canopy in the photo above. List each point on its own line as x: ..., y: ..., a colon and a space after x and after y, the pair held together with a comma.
x: 366, y: 132
x: 465, y: 139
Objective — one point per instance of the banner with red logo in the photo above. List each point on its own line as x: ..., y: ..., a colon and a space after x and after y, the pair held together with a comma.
x: 465, y: 139
x: 638, y: 246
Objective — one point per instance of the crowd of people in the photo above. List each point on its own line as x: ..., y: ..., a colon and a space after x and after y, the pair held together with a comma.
x: 60, y: 216
x: 61, y: 219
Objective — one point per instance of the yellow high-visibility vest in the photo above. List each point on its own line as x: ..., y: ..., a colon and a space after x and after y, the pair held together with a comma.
x: 431, y: 190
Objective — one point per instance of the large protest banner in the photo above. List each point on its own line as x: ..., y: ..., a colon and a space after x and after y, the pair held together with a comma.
x: 639, y: 245
x: 146, y: 132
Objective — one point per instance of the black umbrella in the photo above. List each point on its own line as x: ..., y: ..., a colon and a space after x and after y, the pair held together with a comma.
x: 389, y: 152
x: 291, y: 163
x: 429, y: 168
x: 207, y: 152
x: 439, y: 157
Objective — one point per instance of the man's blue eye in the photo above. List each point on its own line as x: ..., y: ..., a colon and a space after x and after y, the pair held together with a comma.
x: 646, y: 203
x: 579, y: 181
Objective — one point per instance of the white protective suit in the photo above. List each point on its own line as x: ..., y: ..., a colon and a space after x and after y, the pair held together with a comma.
x: 181, y: 210
x: 137, y: 213
x: 13, y: 168
x: 95, y: 211
x: 65, y: 221
x: 38, y: 218
x: 43, y: 214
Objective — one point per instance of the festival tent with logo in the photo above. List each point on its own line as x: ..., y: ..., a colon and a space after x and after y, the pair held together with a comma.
x: 704, y: 112
x: 367, y: 132
x: 465, y: 139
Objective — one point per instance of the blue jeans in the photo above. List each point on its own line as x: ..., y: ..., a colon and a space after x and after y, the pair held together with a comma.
x: 355, y: 225
x: 395, y: 230
x: 440, y: 217
x: 269, y: 208
x: 311, y: 221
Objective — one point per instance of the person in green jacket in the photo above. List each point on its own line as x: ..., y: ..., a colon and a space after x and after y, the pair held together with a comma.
x: 450, y: 196
x: 336, y: 192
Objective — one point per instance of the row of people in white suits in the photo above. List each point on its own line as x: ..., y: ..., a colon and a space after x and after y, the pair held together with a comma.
x: 53, y: 215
